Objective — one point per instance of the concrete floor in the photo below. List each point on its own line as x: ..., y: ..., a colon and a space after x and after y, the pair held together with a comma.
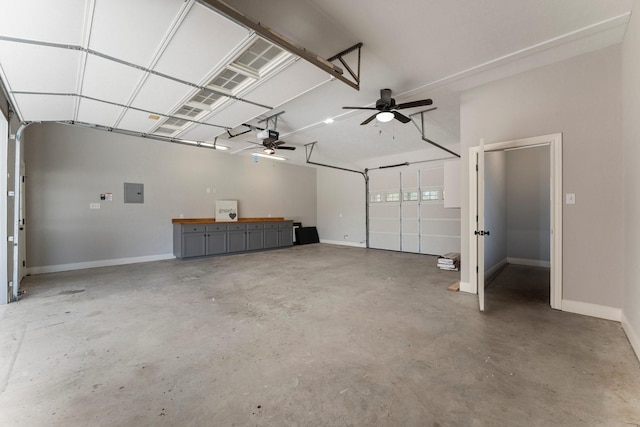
x: 313, y: 335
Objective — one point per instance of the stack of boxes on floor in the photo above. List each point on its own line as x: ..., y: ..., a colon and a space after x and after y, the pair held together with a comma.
x: 450, y: 261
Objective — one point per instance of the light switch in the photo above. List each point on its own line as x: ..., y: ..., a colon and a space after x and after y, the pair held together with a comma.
x: 94, y: 205
x: 571, y: 198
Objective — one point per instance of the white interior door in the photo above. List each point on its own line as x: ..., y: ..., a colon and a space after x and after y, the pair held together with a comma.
x: 479, y: 231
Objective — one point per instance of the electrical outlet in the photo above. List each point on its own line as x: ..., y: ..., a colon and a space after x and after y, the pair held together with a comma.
x: 346, y: 237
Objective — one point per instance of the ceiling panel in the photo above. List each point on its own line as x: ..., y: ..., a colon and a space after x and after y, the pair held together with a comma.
x: 110, y: 81
x: 297, y: 78
x: 201, y: 133
x: 40, y: 69
x: 133, y: 30
x: 98, y: 113
x: 201, y: 43
x: 161, y: 95
x: 44, y: 108
x: 136, y: 121
x: 236, y: 113
x: 60, y: 21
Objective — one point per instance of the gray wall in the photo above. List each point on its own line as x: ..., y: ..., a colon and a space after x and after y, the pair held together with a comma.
x: 341, y: 206
x: 581, y: 98
x: 495, y: 210
x: 631, y: 154
x: 69, y: 167
x: 528, y: 196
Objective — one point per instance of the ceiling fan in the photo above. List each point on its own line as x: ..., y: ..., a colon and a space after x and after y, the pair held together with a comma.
x: 271, y: 142
x: 387, y: 108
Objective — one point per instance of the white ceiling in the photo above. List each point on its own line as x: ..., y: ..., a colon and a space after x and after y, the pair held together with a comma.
x: 418, y: 48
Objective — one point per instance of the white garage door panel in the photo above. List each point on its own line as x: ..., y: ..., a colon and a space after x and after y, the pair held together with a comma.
x: 433, y: 210
x: 410, y: 243
x: 410, y: 211
x: 384, y: 210
x: 386, y: 241
x: 437, y: 245
x: 411, y: 226
x: 384, y: 181
x: 385, y: 226
x: 409, y: 180
x: 441, y: 228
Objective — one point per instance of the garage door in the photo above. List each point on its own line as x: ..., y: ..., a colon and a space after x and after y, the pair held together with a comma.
x: 407, y: 213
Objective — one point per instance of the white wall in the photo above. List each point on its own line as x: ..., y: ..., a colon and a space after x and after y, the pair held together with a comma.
x: 341, y: 207
x: 580, y: 98
x: 69, y: 167
x: 631, y: 154
x: 528, y: 196
x: 495, y: 211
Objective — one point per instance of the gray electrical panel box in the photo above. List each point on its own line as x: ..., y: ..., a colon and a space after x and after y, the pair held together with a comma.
x: 133, y: 193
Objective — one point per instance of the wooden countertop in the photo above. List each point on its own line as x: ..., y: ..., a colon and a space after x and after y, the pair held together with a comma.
x: 210, y: 220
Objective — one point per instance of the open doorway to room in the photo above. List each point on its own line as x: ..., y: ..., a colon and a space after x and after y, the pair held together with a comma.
x: 517, y: 206
x: 516, y: 217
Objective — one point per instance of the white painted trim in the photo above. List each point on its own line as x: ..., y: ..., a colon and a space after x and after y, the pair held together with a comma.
x: 4, y: 208
x: 529, y: 262
x: 633, y: 336
x: 93, y: 264
x: 342, y: 243
x: 593, y: 310
x: 494, y: 269
x: 466, y: 287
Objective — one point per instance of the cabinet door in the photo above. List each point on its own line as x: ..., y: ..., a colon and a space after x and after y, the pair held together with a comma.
x: 255, y: 240
x: 286, y: 236
x: 216, y: 243
x: 236, y: 241
x: 270, y: 238
x: 193, y: 244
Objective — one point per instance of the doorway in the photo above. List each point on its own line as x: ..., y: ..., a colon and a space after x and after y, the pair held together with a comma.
x: 481, y: 223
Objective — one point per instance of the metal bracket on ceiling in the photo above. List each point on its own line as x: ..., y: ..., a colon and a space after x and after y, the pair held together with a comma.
x: 339, y: 57
x: 421, y: 130
x: 288, y: 45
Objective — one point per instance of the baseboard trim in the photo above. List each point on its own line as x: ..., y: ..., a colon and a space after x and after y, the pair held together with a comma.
x: 593, y: 310
x: 488, y: 274
x: 93, y: 264
x: 529, y: 262
x: 466, y: 287
x: 631, y: 335
x: 342, y: 243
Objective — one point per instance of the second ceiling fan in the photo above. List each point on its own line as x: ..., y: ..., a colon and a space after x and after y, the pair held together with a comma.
x: 388, y: 109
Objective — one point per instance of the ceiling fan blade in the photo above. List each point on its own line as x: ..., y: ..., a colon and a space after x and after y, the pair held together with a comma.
x: 420, y: 103
x: 359, y: 108
x: 369, y: 119
x: 401, y: 117
x: 286, y: 147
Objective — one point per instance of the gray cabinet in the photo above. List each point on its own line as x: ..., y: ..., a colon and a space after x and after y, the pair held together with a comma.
x: 216, y: 239
x: 236, y: 238
x: 285, y: 234
x: 271, y: 235
x: 255, y: 236
x: 195, y: 240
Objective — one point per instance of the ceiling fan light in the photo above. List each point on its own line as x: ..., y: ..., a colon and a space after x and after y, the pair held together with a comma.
x: 269, y: 150
x: 385, y: 116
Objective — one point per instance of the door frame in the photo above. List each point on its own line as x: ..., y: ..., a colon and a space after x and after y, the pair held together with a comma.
x: 4, y: 209
x: 555, y: 171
